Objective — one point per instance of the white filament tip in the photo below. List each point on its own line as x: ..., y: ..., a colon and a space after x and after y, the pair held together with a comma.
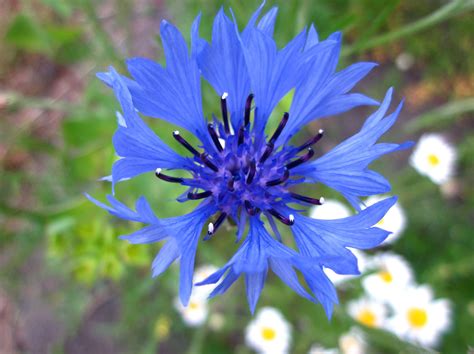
x: 291, y: 218
x: 176, y: 132
x: 158, y: 171
x: 225, y: 95
x: 210, y: 228
x: 321, y: 131
x: 322, y: 200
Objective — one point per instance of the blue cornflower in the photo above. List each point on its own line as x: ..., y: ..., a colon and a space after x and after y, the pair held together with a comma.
x: 240, y: 173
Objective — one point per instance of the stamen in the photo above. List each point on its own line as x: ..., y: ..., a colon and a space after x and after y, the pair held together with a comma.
x: 290, y: 220
x: 212, y: 227
x: 214, y: 136
x: 225, y: 114
x: 266, y: 153
x: 230, y: 185
x: 279, y: 129
x: 241, y: 136
x: 183, y: 142
x: 248, y: 106
x: 275, y: 182
x: 301, y: 160
x: 251, y: 175
x: 207, y: 162
x: 167, y: 178
x: 312, y: 141
x: 309, y: 200
x: 251, y: 210
x: 202, y: 195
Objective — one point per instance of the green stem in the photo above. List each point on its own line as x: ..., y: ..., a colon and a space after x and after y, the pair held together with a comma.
x: 43, y: 214
x: 16, y: 99
x: 198, y: 340
x: 102, y: 38
x: 449, y: 10
x: 439, y: 115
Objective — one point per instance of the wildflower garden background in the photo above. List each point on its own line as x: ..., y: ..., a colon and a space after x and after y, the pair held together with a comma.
x: 69, y: 285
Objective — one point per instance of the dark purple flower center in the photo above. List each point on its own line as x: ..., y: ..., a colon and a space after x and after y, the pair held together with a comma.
x: 243, y: 174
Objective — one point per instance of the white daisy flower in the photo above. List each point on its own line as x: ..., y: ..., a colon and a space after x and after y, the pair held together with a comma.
x: 394, y: 221
x: 331, y: 209
x: 435, y: 158
x: 419, y: 318
x: 195, y: 314
x: 393, y: 275
x: 318, y: 349
x: 201, y: 273
x: 269, y: 332
x: 404, y: 61
x: 353, y: 342
x: 368, y: 312
x: 216, y: 321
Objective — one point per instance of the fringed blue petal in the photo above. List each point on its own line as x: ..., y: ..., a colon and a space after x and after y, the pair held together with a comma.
x: 140, y: 149
x: 222, y: 63
x: 154, y: 87
x: 324, y: 92
x: 345, y: 168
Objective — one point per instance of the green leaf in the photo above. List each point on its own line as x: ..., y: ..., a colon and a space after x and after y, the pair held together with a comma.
x: 26, y: 34
x: 62, y: 8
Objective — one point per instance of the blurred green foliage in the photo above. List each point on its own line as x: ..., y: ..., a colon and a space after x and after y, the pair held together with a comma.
x: 79, y: 242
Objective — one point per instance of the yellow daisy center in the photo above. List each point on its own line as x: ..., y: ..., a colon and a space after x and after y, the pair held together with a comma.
x: 386, y: 276
x: 193, y: 305
x: 381, y: 222
x: 268, y: 333
x: 367, y: 317
x: 417, y: 317
x: 433, y: 160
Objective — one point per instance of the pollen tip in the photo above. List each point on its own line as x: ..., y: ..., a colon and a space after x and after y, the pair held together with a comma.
x: 176, y: 132
x: 322, y: 200
x: 225, y: 95
x: 158, y: 171
x: 292, y: 219
x: 210, y: 228
x: 321, y: 131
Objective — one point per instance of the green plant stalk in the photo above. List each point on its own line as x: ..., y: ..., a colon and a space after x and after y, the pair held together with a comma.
x: 443, y: 13
x: 15, y: 99
x: 198, y: 340
x: 439, y: 115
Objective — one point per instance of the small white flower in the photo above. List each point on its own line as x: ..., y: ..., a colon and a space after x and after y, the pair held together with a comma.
x: 392, y: 276
x: 201, y: 273
x: 368, y: 312
x: 404, y: 61
x: 419, y: 318
x: 195, y: 314
x: 353, y: 342
x: 331, y: 209
x: 269, y: 332
x: 318, y: 349
x: 393, y: 221
x: 435, y: 158
x: 216, y: 321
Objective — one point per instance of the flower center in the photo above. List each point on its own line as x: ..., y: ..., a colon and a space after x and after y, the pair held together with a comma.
x: 433, y: 160
x: 193, y: 305
x: 417, y: 317
x: 245, y: 174
x: 268, y: 333
x: 367, y: 317
x: 386, y: 276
